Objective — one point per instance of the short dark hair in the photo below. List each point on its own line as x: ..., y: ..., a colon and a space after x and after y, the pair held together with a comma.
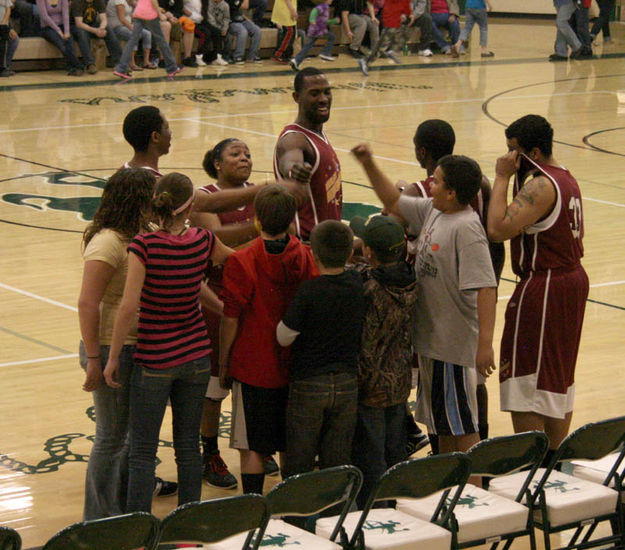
x: 275, y: 208
x: 437, y: 137
x: 215, y: 154
x: 332, y: 242
x: 139, y: 125
x: 462, y: 175
x: 298, y: 83
x: 532, y: 131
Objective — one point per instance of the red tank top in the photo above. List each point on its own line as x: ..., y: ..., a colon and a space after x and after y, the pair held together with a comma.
x: 326, y: 192
x: 555, y: 242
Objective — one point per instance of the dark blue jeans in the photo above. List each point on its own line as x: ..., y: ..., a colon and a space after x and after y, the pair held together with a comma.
x: 84, y: 43
x: 441, y: 20
x: 320, y: 420
x: 379, y: 443
x: 66, y: 47
x: 185, y: 385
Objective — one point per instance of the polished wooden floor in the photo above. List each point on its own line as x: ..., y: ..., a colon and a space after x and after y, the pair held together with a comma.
x: 59, y: 136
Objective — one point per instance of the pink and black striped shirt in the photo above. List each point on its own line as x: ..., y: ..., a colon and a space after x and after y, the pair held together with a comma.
x: 171, y: 327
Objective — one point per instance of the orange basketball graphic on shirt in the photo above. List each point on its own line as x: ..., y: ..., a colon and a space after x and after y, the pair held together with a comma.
x: 435, y: 247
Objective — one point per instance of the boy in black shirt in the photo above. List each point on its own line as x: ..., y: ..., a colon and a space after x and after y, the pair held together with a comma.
x: 324, y: 323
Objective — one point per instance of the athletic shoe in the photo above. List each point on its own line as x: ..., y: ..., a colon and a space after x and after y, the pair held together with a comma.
x: 189, y: 62
x: 216, y: 473
x: 327, y: 57
x: 425, y: 53
x: 271, y: 468
x: 393, y: 57
x: 164, y: 488
x: 238, y: 61
x: 294, y: 65
x: 174, y: 72
x: 416, y: 442
x: 124, y: 75
x: 279, y: 60
x: 488, y: 54
x: 362, y: 63
x: 199, y: 60
x: 219, y: 60
x: 556, y: 57
x: 257, y: 59
x: 92, y: 69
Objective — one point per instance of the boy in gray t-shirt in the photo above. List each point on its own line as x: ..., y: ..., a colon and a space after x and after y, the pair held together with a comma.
x: 455, y: 314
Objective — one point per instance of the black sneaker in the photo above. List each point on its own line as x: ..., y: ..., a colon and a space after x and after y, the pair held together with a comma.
x: 271, y: 468
x: 216, y: 473
x: 416, y: 442
x: 555, y: 57
x: 164, y: 488
x: 189, y: 62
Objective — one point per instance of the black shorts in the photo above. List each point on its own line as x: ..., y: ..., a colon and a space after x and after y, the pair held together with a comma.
x: 258, y: 418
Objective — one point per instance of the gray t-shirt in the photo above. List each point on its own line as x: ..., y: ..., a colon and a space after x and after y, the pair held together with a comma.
x: 4, y: 6
x: 112, y: 19
x: 452, y: 263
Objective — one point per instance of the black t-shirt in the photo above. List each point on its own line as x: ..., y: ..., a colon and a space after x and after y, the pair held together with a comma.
x: 88, y: 10
x: 328, y: 313
x: 352, y: 6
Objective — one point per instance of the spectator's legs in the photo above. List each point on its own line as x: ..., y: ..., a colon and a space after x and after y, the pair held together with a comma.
x: 253, y: 32
x: 66, y: 47
x: 440, y: 19
x: 358, y: 26
x: 565, y: 35
x: 84, y: 44
x: 424, y: 23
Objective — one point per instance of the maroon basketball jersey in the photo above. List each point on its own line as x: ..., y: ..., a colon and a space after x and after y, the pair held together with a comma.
x: 326, y: 192
x: 555, y: 241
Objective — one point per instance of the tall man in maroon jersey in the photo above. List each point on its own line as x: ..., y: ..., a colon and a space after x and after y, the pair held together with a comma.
x: 304, y: 154
x: 544, y: 316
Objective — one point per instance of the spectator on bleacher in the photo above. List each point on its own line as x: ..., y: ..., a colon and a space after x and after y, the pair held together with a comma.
x: 8, y: 39
x: 445, y: 16
x: 284, y: 16
x: 602, y: 23
x: 420, y: 17
x: 240, y: 28
x: 25, y: 12
x: 358, y: 17
x: 90, y: 21
x: 55, y: 28
x: 174, y: 12
x: 216, y: 24
x: 119, y: 15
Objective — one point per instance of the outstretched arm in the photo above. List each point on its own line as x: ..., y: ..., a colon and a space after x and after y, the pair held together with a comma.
x: 224, y: 201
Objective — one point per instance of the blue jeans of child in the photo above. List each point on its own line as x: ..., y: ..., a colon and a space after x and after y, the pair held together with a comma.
x: 309, y: 42
x: 185, y: 386
x: 442, y: 20
x: 320, y: 420
x: 241, y: 30
x: 379, y: 443
x: 84, y: 43
x: 66, y: 47
x: 154, y: 27
x: 124, y: 33
x: 473, y: 16
x: 565, y: 35
x: 107, y: 471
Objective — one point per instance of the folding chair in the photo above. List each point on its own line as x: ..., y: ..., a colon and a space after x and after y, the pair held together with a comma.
x: 305, y: 495
x: 10, y: 539
x: 560, y: 501
x: 211, y: 521
x: 611, y: 466
x: 126, y: 532
x: 377, y: 528
x: 482, y: 516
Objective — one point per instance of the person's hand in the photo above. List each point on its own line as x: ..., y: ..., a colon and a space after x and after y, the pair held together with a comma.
x: 508, y: 164
x: 101, y: 32
x: 12, y: 34
x: 362, y: 152
x: 298, y: 190
x: 224, y: 380
x: 485, y: 360
x: 375, y: 20
x: 294, y: 15
x: 350, y: 35
x: 94, y: 377
x: 66, y: 36
x: 301, y: 173
x: 403, y: 18
x: 110, y: 373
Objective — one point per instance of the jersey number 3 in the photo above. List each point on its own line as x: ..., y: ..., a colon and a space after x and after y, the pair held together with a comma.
x: 576, y: 206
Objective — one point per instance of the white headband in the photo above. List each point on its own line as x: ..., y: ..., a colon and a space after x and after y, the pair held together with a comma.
x: 184, y: 206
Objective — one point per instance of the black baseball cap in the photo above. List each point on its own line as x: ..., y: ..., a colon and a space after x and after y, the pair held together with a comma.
x: 383, y: 234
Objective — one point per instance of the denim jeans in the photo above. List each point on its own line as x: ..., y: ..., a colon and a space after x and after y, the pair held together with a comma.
x: 241, y: 30
x: 185, y: 386
x: 84, y: 37
x: 442, y: 20
x: 580, y: 24
x: 107, y: 471
x: 473, y: 16
x: 320, y: 420
x: 379, y: 443
x: 565, y: 35
x: 66, y: 47
x: 153, y: 25
x: 309, y: 42
x: 8, y: 47
x: 123, y: 33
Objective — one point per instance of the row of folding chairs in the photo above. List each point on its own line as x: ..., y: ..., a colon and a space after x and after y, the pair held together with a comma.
x: 420, y: 503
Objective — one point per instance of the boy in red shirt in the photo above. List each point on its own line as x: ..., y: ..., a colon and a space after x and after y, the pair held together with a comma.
x: 258, y: 284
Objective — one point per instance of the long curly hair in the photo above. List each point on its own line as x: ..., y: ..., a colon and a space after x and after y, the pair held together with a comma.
x: 125, y: 204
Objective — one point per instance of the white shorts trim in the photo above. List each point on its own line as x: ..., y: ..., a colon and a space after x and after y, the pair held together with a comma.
x: 238, y: 430
x: 214, y: 391
x: 521, y: 395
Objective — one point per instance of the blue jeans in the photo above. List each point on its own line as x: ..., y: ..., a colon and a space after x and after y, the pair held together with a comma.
x: 123, y: 33
x: 7, y: 50
x: 84, y: 37
x: 241, y: 30
x: 107, y: 471
x: 154, y: 27
x: 379, y: 443
x: 442, y: 20
x: 309, y: 42
x: 185, y: 386
x: 473, y: 16
x: 565, y: 35
x: 66, y: 47
x: 320, y: 420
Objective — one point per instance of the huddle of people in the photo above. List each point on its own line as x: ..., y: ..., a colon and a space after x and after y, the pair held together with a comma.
x: 318, y: 334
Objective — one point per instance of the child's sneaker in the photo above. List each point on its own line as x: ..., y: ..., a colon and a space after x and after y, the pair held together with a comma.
x: 294, y: 65
x: 327, y: 57
x: 189, y: 62
x: 271, y: 468
x: 415, y: 442
x: 362, y: 63
x: 393, y: 57
x: 199, y: 60
x: 125, y: 75
x: 164, y: 488
x: 219, y: 60
x: 216, y: 474
x: 174, y: 72
x: 425, y: 53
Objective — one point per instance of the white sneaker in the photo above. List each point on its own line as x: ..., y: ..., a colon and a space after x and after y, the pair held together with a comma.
x: 199, y: 60
x: 219, y: 60
x: 425, y: 53
x: 327, y: 57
